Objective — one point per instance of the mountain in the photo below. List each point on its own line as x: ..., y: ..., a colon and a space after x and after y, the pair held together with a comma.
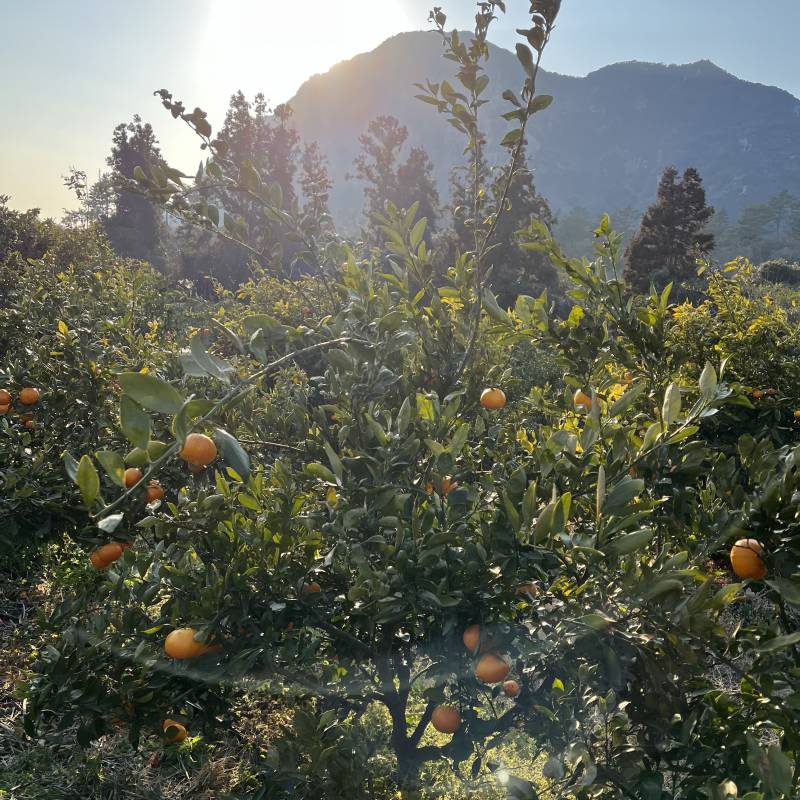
x: 602, y: 144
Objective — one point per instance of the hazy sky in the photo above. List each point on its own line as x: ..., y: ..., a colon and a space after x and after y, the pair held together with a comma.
x: 72, y: 69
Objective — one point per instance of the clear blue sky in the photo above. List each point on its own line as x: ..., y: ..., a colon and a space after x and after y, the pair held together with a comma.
x: 72, y: 69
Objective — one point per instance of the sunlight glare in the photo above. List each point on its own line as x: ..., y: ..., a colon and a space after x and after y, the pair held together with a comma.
x: 273, y: 47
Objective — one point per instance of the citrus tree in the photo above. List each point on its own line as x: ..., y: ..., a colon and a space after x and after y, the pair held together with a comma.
x: 373, y: 516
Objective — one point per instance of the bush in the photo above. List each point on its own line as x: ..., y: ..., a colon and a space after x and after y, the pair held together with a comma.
x: 780, y: 270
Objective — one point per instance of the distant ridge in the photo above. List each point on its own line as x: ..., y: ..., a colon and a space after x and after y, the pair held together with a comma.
x: 601, y: 145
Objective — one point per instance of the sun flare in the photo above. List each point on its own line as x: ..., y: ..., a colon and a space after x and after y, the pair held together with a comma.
x: 264, y: 46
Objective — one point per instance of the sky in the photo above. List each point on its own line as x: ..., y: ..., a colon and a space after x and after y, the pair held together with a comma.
x: 73, y: 69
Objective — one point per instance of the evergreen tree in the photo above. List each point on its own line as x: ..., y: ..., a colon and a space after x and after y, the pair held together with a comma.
x: 265, y: 137
x: 389, y: 178
x: 315, y: 182
x: 515, y: 271
x: 98, y: 201
x: 672, y: 234
x: 134, y: 228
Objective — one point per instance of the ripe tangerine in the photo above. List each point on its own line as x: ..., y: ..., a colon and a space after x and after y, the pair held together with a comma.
x: 29, y: 396
x: 181, y: 644
x: 5, y: 397
x: 446, y: 719
x: 132, y: 476
x: 491, y: 668
x: 105, y: 555
x: 472, y: 637
x: 746, y: 559
x: 493, y: 399
x: 199, y: 449
x: 511, y: 688
x: 582, y: 400
x: 153, y: 492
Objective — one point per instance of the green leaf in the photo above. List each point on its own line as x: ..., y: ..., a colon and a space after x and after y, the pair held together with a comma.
x: 787, y: 589
x: 71, y: 466
x: 708, y: 382
x: 623, y: 403
x: 629, y: 543
x: 404, y: 416
x: 779, y: 642
x: 529, y: 503
x: 540, y: 103
x: 214, y: 366
x: 672, y: 404
x: 318, y: 470
x: 190, y: 411
x: 88, y: 480
x: 600, y: 494
x: 525, y: 57
x: 111, y: 523
x: 232, y: 452
x: 336, y: 463
x: 417, y: 232
x: 623, y: 493
x: 134, y: 421
x: 151, y: 392
x: 459, y: 439
x: 114, y: 465
x: 493, y: 308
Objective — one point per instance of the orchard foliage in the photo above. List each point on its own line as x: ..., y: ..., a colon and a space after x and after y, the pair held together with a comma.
x: 361, y: 509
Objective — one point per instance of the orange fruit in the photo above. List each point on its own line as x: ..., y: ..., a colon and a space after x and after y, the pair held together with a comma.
x: 746, y: 559
x: 181, y: 644
x: 105, y: 555
x: 153, y: 492
x: 29, y: 396
x: 429, y: 485
x: 132, y: 476
x: 5, y: 397
x: 511, y: 688
x: 472, y: 637
x: 448, y: 484
x: 199, y: 449
x: 178, y: 735
x: 757, y: 393
x: 446, y: 719
x: 4, y: 409
x: 771, y: 392
x: 797, y: 414
x: 23, y: 418
x: 30, y: 424
x: 582, y: 400
x: 491, y: 668
x: 628, y: 377
x: 312, y: 588
x: 529, y: 589
x: 493, y: 399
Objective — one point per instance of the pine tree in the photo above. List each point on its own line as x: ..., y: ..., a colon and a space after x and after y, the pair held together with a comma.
x: 265, y: 137
x: 388, y: 178
x: 672, y: 234
x: 315, y: 181
x: 517, y: 271
x: 514, y: 271
x: 134, y: 228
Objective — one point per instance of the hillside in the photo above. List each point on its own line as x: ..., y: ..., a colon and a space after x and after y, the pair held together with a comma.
x: 603, y: 143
